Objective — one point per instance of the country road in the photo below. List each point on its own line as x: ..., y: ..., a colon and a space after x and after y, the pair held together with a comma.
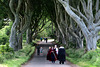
x: 40, y: 61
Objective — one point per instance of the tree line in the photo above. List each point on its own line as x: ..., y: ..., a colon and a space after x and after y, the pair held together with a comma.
x: 74, y: 20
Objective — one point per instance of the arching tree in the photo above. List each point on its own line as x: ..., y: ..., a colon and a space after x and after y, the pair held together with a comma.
x: 88, y: 21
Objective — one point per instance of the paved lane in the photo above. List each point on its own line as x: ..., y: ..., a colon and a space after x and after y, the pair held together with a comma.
x: 40, y: 61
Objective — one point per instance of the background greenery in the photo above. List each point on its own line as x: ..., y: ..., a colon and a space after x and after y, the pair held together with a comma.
x: 9, y: 58
x: 5, y: 33
x: 79, y: 57
x: 47, y: 31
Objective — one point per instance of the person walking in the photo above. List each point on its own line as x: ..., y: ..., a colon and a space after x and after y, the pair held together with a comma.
x: 56, y: 49
x: 38, y: 50
x: 53, y: 55
x: 41, y: 51
x: 46, y: 39
x: 49, y: 54
x: 61, y: 55
x: 41, y: 38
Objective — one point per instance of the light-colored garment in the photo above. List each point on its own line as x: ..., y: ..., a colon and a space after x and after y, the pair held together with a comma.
x: 56, y: 50
x: 41, y: 50
x: 61, y: 47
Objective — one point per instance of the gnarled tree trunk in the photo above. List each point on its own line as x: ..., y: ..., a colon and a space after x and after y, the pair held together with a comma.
x: 14, y: 35
x: 28, y: 36
x: 89, y: 27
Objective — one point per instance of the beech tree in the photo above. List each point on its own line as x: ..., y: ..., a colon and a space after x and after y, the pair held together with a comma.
x: 27, y: 15
x: 88, y: 21
x: 69, y: 31
x: 5, y: 13
x: 15, y: 9
x: 30, y: 16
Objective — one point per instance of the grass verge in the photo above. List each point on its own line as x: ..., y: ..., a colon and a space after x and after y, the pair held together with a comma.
x: 89, y: 59
x: 20, y: 57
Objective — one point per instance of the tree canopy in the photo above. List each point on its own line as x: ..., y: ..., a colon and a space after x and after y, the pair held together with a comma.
x: 74, y: 20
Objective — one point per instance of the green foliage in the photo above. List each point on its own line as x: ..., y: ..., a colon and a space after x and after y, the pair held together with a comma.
x: 6, y: 52
x: 59, y: 44
x: 23, y: 52
x: 1, y: 24
x: 24, y: 36
x: 71, y: 44
x: 98, y: 43
x: 33, y: 43
x: 89, y: 59
x: 6, y: 48
x: 7, y: 31
x: 4, y: 34
x: 52, y: 36
x: 21, y: 56
x: 89, y: 55
x: 47, y: 32
x: 2, y: 58
x: 15, y: 58
x: 97, y: 62
x: 75, y: 53
x: 3, y: 39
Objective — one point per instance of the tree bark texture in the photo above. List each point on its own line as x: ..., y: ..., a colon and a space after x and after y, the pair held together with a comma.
x: 88, y: 26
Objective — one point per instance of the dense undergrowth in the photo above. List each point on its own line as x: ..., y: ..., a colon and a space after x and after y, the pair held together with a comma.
x: 9, y: 58
x: 79, y: 57
x: 5, y: 34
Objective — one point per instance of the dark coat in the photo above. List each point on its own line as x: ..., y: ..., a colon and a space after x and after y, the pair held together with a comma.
x: 49, y: 55
x: 38, y: 50
x: 52, y: 56
x: 61, y: 54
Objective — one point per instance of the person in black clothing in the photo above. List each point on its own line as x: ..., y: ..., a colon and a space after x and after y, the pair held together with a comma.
x: 49, y: 54
x: 41, y: 38
x: 61, y: 55
x: 46, y: 39
x: 38, y: 50
x: 53, y: 55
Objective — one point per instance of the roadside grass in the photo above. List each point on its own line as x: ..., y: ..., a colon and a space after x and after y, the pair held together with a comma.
x: 20, y: 57
x: 36, y: 40
x: 79, y: 57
